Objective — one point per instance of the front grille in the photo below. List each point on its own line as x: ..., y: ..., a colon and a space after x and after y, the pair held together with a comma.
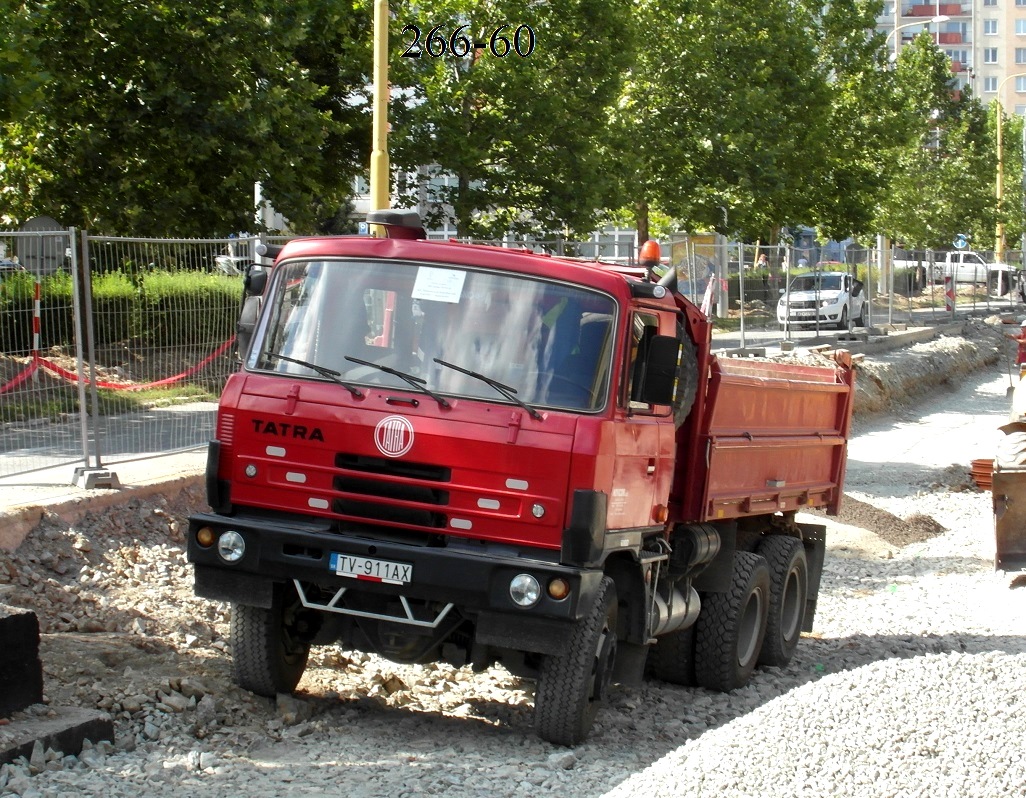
x: 377, y: 478
x: 394, y: 468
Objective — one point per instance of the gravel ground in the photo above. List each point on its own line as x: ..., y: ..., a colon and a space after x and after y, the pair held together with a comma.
x: 910, y: 684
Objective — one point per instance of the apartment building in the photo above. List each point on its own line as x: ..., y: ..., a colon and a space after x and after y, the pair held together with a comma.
x: 984, y: 39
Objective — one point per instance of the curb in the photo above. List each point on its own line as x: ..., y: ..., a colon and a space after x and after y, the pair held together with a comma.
x: 17, y: 522
x: 65, y: 730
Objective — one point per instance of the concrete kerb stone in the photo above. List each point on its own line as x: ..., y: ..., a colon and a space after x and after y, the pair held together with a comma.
x: 63, y: 729
x: 16, y: 522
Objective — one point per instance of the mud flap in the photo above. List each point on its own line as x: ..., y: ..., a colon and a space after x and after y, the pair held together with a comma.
x: 1009, y: 495
x: 814, y: 540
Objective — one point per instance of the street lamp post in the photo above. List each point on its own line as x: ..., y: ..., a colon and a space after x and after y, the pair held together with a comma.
x: 937, y: 19
x: 999, y: 233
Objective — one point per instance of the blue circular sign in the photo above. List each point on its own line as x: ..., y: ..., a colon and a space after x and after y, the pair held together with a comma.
x: 961, y: 241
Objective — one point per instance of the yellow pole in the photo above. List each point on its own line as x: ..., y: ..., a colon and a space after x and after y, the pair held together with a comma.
x: 999, y: 237
x: 379, y: 169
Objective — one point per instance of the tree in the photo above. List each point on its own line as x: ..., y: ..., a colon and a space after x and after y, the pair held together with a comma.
x: 944, y: 169
x: 158, y: 118
x: 863, y: 123
x: 501, y: 141
x: 722, y: 119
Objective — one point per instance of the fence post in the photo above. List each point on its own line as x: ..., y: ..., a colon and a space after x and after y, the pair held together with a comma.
x: 90, y: 475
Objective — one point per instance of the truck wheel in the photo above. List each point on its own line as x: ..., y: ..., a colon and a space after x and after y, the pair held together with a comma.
x: 571, y: 687
x: 732, y: 626
x: 673, y: 657
x: 789, y: 590
x: 268, y: 651
x: 842, y: 322
x: 687, y: 379
x: 861, y: 320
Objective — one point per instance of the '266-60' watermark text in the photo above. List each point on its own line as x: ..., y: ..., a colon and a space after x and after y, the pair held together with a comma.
x: 504, y: 40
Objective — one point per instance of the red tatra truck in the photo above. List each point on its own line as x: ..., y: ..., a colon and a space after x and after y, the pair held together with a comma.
x: 447, y: 452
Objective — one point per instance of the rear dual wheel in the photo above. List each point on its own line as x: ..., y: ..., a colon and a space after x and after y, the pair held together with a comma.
x: 788, y: 594
x: 732, y: 626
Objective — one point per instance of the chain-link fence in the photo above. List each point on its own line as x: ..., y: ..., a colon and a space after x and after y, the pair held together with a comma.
x: 116, y: 351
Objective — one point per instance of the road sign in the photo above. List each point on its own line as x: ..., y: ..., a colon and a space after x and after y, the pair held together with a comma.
x: 961, y: 241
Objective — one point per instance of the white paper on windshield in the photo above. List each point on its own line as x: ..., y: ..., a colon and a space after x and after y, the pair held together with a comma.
x: 439, y: 285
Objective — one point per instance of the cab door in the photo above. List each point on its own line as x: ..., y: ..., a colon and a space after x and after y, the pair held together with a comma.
x: 644, y: 442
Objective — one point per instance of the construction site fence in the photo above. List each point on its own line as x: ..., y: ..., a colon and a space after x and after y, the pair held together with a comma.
x: 746, y: 286
x: 114, y: 349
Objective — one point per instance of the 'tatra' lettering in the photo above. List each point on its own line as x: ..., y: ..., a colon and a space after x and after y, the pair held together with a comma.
x: 282, y: 429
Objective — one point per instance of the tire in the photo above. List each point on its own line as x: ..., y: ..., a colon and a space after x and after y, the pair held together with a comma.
x: 842, y: 322
x: 687, y: 379
x: 673, y: 657
x: 861, y: 320
x: 572, y: 687
x: 732, y: 626
x: 269, y: 652
x: 789, y: 590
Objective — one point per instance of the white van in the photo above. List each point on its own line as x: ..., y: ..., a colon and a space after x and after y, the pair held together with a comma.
x: 823, y: 298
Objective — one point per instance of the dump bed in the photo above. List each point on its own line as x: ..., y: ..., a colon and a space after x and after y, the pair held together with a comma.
x: 765, y: 436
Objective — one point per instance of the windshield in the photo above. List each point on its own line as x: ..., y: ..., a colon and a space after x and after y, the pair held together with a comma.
x: 548, y: 343
x: 816, y: 282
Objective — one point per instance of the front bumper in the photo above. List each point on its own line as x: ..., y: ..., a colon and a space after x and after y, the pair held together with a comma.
x: 475, y: 578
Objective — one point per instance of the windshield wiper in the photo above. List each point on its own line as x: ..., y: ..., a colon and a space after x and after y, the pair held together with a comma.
x: 409, y: 379
x: 506, y: 390
x: 324, y: 372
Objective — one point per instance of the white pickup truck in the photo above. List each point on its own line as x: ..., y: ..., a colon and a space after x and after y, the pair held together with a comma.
x: 965, y: 266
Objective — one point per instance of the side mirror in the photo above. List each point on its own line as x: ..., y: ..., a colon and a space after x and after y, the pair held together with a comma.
x: 255, y: 282
x: 662, y: 361
x: 247, y: 324
x: 253, y: 286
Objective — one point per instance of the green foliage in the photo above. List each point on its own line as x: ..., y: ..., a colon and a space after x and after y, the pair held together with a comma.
x: 944, y: 168
x: 187, y: 309
x: 157, y: 118
x: 519, y: 135
x: 721, y: 120
x: 163, y: 309
x: 744, y: 117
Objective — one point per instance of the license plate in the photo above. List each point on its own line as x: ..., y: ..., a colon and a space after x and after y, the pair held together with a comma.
x: 805, y: 313
x: 367, y: 568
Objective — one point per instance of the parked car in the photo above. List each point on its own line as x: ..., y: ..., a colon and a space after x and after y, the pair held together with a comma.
x: 824, y: 298
x: 8, y: 266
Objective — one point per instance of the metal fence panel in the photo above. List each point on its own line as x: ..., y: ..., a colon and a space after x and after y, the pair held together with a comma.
x: 157, y: 320
x: 39, y: 408
x: 161, y: 341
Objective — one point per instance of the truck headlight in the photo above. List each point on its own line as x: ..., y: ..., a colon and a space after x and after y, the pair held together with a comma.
x: 231, y: 546
x: 525, y: 590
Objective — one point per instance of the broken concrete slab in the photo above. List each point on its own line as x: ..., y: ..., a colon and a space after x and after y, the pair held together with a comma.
x: 63, y: 729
